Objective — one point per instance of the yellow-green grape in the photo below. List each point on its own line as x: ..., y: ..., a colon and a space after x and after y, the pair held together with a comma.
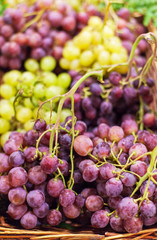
x: 96, y: 37
x: 49, y: 106
x: 29, y: 124
x: 31, y: 65
x: 104, y: 58
x: 122, y: 69
x: 24, y: 114
x: 7, y: 91
x: 49, y: 78
x: 11, y: 100
x: 65, y: 113
x: 12, y: 77
x: 40, y: 113
x: 64, y: 63
x: 114, y: 45
x: 107, y: 32
x: 71, y: 52
x: 64, y: 80
x: 53, y: 91
x: 75, y: 64
x: 4, y: 125
x: 95, y: 22
x: 28, y: 78
x: 39, y: 91
x: 6, y: 110
x: 97, y: 50
x: 86, y: 58
x: 50, y: 117
x: 4, y: 137
x: 48, y: 63
x: 111, y: 24
x: 83, y: 40
x: 118, y: 58
x: 28, y: 103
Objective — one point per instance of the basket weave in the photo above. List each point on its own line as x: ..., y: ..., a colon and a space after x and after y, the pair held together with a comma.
x: 10, y: 232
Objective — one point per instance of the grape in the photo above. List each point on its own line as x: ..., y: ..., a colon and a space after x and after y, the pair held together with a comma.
x: 148, y: 221
x: 38, y: 53
x: 107, y: 171
x: 94, y: 203
x: 36, y: 175
x: 71, y: 211
x: 79, y: 201
x: 128, y: 179
x: 17, y: 176
x: 101, y: 189
x: 83, y: 164
x: 66, y: 197
x: 4, y: 163
x: 49, y: 163
x: 65, y: 140
x: 64, y: 80
x: 127, y: 208
x: 48, y: 63
x: 54, y: 217
x: 116, y: 224
x: 102, y: 150
x: 28, y: 220
x: 41, y: 211
x: 17, y: 196
x: 113, y: 187
x: 4, y: 184
x: 103, y: 130
x: 86, y: 58
x: 55, y: 18
x: 148, y: 209
x: 83, y: 145
x: 115, y: 78
x: 55, y: 187
x: 7, y: 91
x: 39, y: 91
x: 133, y: 225
x: 123, y: 158
x: 116, y: 133
x: 90, y: 173
x: 6, y: 110
x: 24, y: 114
x: 35, y: 198
x: 113, y: 202
x: 28, y: 78
x: 40, y: 125
x: 100, y: 219
x: 138, y: 149
x: 150, y: 190
x: 129, y: 126
x: 6, y: 30
x: 86, y: 192
x: 126, y: 143
x: 10, y: 146
x: 69, y: 23
x: 64, y: 167
x: 30, y: 138
x: 149, y: 119
x: 30, y: 154
x: 139, y: 168
x: 15, y: 211
x: 16, y: 158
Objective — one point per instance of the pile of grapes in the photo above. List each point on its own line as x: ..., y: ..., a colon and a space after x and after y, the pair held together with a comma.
x: 85, y: 149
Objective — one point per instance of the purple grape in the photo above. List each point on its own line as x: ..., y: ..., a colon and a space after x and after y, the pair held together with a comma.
x: 86, y: 192
x: 83, y: 145
x: 138, y: 149
x: 40, y: 125
x: 127, y: 208
x: 38, y: 53
x: 17, y: 177
x: 17, y: 196
x: 113, y: 187
x: 4, y: 184
x: 30, y: 138
x: 4, y: 163
x: 72, y: 211
x: 103, y: 130
x: 77, y: 177
x: 94, y: 203
x: 69, y: 23
x: 123, y: 158
x: 35, y: 198
x: 41, y: 211
x: 124, y: 13
x: 101, y: 189
x: 79, y: 201
x: 64, y: 167
x: 11, y: 146
x: 83, y: 164
x: 29, y: 220
x: 126, y: 143
x: 102, y: 150
x: 55, y: 187
x: 129, y: 126
x: 16, y: 212
x: 133, y: 225
x: 90, y: 173
x: 139, y: 168
x: 81, y: 127
x: 116, y: 133
x: 95, y: 89
x: 116, y: 223
x: 65, y: 140
x: 30, y: 154
x: 107, y: 171
x: 150, y: 190
x: 49, y: 163
x: 113, y: 202
x: 100, y: 219
x: 115, y: 78
x: 148, y: 209
x: 36, y: 175
x: 55, y: 18
x: 6, y: 31
x: 149, y: 221
x: 128, y: 179
x: 106, y: 108
x: 54, y: 217
x: 16, y: 159
x: 66, y: 197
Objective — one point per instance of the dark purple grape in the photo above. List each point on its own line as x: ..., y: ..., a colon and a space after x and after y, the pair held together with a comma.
x: 79, y: 201
x: 115, y: 78
x: 90, y: 173
x: 54, y: 217
x: 72, y: 211
x: 86, y: 192
x: 30, y: 154
x: 49, y: 163
x: 64, y: 167
x: 29, y: 220
x: 81, y: 127
x: 123, y: 158
x: 35, y: 198
x: 127, y: 208
x: 150, y: 82
x: 30, y: 138
x: 65, y: 140
x: 113, y: 202
x: 106, y: 108
x: 101, y: 189
x: 95, y: 89
x: 40, y: 125
x: 66, y: 197
x: 100, y: 219
x: 16, y: 159
x: 16, y: 212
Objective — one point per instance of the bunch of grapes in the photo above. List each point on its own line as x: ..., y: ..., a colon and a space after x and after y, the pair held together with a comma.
x: 38, y: 30
x: 22, y: 93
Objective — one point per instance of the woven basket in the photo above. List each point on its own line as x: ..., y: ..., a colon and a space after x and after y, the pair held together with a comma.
x: 10, y: 232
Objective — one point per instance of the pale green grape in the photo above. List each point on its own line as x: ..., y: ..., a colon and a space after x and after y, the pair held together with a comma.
x: 6, y: 110
x: 41, y: 113
x: 104, y: 58
x: 49, y: 78
x: 12, y: 77
x: 4, y: 137
x: 75, y: 64
x: 7, y: 91
x: 29, y: 124
x: 107, y: 32
x: 71, y: 52
x: 96, y: 38
x: 64, y: 80
x: 31, y: 65
x: 86, y: 58
x: 48, y: 63
x: 24, y: 114
x: 47, y: 106
x: 65, y: 113
x: 49, y: 114
x: 64, y: 63
x: 28, y: 78
x: 97, y: 50
x: 4, y: 125
x: 39, y: 91
x: 114, y: 45
x: 83, y: 40
x: 53, y: 91
x: 95, y: 22
x: 27, y: 103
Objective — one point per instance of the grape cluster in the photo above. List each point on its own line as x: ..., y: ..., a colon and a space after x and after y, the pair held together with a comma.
x: 26, y: 90
x: 113, y: 174
x: 37, y: 31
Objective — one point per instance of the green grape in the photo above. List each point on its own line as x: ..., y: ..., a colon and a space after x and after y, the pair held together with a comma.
x: 29, y: 124
x: 35, y: 101
x: 31, y: 65
x: 27, y: 103
x: 75, y: 64
x: 53, y: 91
x: 48, y: 63
x: 64, y: 80
x: 7, y: 91
x: 83, y: 40
x: 4, y: 125
x: 107, y: 32
x: 117, y: 58
x: 6, y: 110
x: 86, y: 58
x: 12, y: 77
x: 11, y: 100
x: 95, y: 22
x: 39, y: 91
x: 114, y: 45
x: 41, y: 113
x: 96, y: 38
x: 71, y: 52
x: 47, y: 106
x: 49, y: 78
x: 28, y: 78
x: 24, y: 114
x: 104, y: 58
x: 53, y: 116
x: 97, y: 50
x: 4, y: 137
x: 64, y: 63
x: 65, y: 113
